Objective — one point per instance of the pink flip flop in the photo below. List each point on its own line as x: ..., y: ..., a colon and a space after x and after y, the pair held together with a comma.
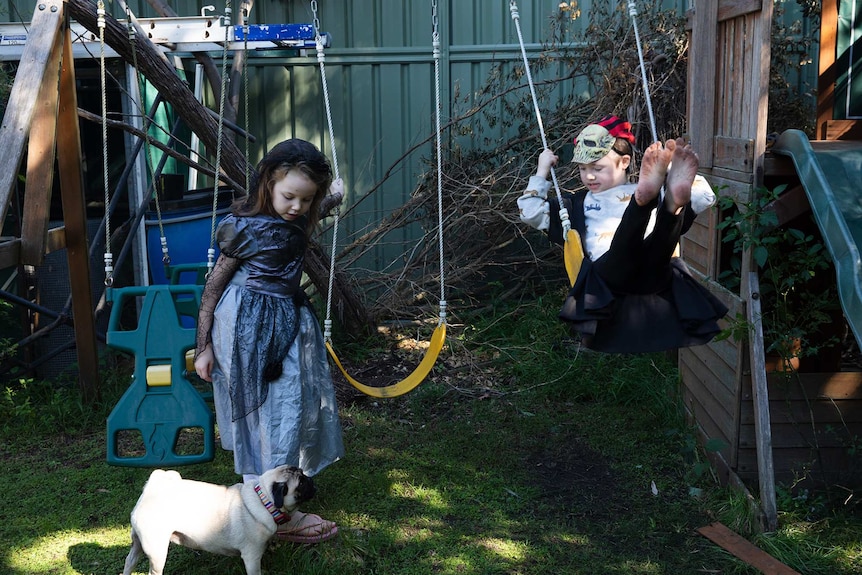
x: 307, y: 528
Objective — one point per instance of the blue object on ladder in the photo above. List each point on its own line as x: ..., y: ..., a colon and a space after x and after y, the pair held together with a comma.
x: 162, y: 410
x: 288, y: 35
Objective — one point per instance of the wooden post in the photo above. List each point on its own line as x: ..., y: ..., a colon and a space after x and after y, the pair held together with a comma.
x: 760, y: 396
x: 827, y: 66
x: 758, y: 105
x: 40, y: 163
x: 75, y: 219
x: 42, y: 108
x: 44, y: 30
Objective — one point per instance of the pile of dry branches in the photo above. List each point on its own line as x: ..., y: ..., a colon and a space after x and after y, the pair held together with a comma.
x: 489, y: 255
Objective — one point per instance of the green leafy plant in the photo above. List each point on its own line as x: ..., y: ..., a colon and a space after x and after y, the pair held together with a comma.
x: 797, y: 294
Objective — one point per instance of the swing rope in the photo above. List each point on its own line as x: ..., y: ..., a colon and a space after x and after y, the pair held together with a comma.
x: 148, y: 122
x: 573, y: 252
x: 131, y: 31
x: 108, y: 256
x: 438, y: 338
x: 226, y: 22
x: 633, y: 13
x: 158, y: 381
x: 247, y: 135
x: 438, y: 129
x: 321, y: 59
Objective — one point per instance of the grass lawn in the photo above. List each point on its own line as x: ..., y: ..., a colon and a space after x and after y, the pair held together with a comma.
x: 519, y: 455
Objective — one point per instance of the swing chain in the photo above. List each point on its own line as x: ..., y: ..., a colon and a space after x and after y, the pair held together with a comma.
x: 318, y: 39
x: 315, y: 19
x: 435, y: 21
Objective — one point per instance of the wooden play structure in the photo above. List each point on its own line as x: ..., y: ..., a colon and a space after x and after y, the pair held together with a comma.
x: 160, y: 401
x: 42, y: 115
x: 770, y: 432
x: 41, y: 120
x: 42, y: 123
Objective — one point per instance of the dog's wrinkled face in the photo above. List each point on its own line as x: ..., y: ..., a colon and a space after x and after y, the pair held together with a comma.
x: 291, y: 488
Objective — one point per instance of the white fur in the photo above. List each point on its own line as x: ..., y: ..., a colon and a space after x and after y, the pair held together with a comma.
x: 214, y: 518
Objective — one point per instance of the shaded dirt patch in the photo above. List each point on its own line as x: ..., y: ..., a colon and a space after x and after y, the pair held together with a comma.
x: 575, y: 483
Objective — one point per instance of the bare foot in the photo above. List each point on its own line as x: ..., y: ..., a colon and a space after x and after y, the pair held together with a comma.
x: 653, y: 170
x: 680, y: 176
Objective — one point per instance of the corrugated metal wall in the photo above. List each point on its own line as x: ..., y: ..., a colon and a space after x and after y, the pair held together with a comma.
x: 380, y: 74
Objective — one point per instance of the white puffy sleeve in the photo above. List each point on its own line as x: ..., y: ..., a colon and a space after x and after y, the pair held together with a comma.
x: 533, y: 204
x: 702, y: 195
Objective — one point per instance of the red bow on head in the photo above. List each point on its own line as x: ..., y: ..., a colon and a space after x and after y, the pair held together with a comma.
x: 617, y: 128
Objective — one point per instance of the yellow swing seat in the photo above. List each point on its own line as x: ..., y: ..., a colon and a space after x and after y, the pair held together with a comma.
x: 407, y: 384
x: 438, y: 338
x: 573, y: 255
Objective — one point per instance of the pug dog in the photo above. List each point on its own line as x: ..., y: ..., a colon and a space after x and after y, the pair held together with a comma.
x: 235, y: 520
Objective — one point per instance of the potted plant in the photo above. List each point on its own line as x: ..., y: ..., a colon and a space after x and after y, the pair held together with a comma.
x: 798, y: 294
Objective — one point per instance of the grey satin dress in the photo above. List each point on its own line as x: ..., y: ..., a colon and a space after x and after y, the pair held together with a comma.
x: 273, y: 391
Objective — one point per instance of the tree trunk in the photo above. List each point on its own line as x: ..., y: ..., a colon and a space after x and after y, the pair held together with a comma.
x: 348, y: 308
x: 176, y: 92
x: 211, y: 71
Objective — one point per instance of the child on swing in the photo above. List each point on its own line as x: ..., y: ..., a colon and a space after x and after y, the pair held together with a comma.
x: 631, y: 294
x: 257, y: 338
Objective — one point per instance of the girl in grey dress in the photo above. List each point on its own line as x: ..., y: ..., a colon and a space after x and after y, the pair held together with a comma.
x: 258, y: 340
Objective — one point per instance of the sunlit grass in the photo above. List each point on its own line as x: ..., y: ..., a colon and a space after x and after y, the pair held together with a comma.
x: 51, y: 553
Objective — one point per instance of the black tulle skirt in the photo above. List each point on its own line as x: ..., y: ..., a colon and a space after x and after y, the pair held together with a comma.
x: 682, y: 314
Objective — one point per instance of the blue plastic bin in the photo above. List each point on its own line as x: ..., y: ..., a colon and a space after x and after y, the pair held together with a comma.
x: 187, y: 224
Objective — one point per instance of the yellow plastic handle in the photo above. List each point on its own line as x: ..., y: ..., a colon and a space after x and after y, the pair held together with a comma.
x: 159, y: 375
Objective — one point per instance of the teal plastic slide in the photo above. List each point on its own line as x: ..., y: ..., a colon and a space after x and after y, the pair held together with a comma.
x: 831, y: 173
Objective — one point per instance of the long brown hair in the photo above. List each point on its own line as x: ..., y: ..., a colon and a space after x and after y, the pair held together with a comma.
x: 292, y: 154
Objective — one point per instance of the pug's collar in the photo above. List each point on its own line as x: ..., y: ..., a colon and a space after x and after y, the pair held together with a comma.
x: 278, y: 515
